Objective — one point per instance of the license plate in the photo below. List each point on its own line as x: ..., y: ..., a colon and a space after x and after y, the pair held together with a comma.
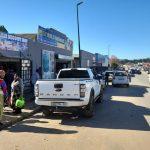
x: 121, y: 79
x: 58, y: 103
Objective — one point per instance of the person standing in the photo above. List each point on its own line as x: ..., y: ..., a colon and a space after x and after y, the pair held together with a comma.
x: 35, y: 77
x: 9, y: 77
x: 16, y: 92
x: 106, y: 79
x: 3, y: 93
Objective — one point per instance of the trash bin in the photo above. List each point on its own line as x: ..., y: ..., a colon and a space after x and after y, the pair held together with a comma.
x: 1, y: 104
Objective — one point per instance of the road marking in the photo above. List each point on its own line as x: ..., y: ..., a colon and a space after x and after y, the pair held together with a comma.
x: 148, y: 89
x: 147, y: 118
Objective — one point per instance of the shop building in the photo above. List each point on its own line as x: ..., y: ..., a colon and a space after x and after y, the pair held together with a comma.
x: 102, y: 60
x: 14, y: 56
x: 50, y: 51
x: 87, y: 59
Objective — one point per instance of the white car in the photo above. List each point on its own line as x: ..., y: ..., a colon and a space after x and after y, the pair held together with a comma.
x: 73, y: 89
x: 121, y: 78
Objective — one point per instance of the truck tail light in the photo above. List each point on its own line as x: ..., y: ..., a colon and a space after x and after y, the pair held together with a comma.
x: 36, y: 90
x: 82, y: 90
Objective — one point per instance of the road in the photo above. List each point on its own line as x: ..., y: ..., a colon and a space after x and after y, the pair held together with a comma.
x: 122, y: 122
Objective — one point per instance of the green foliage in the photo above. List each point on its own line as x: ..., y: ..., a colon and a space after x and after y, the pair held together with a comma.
x: 3, y: 29
x: 125, y: 61
x: 114, y: 65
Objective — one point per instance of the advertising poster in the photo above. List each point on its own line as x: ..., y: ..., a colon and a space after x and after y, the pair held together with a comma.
x: 13, y: 43
x: 47, y: 64
x: 54, y: 38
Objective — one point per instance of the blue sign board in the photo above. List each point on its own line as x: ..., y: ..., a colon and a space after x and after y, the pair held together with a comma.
x: 54, y: 38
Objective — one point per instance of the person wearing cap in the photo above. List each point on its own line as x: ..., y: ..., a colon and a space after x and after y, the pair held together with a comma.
x: 3, y: 93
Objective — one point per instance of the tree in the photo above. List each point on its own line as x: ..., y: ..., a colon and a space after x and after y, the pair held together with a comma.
x: 114, y: 65
x: 3, y: 29
x: 114, y: 61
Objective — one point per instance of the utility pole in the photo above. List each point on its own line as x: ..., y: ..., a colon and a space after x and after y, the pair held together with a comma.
x: 108, y: 55
x: 79, y: 33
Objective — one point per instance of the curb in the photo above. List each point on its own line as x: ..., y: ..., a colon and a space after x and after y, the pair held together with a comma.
x: 24, y: 116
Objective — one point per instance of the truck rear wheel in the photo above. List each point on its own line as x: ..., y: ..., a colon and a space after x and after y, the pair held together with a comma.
x: 100, y: 98
x: 88, y: 112
x: 46, y: 111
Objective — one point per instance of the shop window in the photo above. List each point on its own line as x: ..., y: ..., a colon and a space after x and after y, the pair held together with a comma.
x: 26, y: 72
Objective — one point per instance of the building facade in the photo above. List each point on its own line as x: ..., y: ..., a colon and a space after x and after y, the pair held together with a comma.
x: 14, y: 56
x: 87, y: 59
x: 102, y: 60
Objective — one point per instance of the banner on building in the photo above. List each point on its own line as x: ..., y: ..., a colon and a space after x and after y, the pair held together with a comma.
x: 47, y: 64
x: 54, y: 38
x: 12, y: 42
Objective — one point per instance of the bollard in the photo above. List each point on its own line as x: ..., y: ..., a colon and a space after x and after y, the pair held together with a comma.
x: 1, y: 104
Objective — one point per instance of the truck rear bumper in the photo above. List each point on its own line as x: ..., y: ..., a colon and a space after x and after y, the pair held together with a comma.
x: 61, y: 103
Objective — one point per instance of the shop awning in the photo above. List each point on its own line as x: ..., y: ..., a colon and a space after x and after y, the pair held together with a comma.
x: 64, y: 57
x: 12, y: 54
x: 9, y: 54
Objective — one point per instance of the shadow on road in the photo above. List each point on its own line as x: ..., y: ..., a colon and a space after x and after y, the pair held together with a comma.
x: 132, y: 91
x: 113, y: 114
x: 42, y: 130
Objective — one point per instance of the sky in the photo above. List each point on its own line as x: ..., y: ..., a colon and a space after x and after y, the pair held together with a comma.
x: 122, y: 26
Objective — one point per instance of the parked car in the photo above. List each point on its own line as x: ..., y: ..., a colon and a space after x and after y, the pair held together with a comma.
x: 74, y: 89
x: 131, y: 72
x: 138, y: 71
x: 110, y: 75
x: 121, y: 78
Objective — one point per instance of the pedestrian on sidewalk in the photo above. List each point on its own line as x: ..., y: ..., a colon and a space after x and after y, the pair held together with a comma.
x: 16, y: 92
x: 9, y: 77
x: 35, y: 77
x: 3, y: 93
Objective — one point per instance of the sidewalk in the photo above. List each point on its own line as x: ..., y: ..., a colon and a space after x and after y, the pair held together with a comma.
x: 10, y: 118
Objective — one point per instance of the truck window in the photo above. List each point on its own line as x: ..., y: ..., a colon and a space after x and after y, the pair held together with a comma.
x: 74, y: 74
x: 120, y: 74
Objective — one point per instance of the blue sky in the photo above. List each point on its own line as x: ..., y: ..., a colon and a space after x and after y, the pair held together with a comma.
x: 122, y: 24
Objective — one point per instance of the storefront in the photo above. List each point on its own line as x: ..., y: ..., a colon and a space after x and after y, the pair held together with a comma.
x: 63, y: 61
x: 14, y: 56
x: 50, y: 51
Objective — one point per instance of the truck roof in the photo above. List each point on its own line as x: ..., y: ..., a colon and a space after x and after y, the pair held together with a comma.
x: 76, y: 69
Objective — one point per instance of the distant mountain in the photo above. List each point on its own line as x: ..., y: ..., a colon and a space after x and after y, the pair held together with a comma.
x: 145, y: 60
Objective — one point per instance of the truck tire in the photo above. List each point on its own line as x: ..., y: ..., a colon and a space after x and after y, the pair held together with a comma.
x: 100, y: 98
x: 88, y: 112
x: 46, y: 111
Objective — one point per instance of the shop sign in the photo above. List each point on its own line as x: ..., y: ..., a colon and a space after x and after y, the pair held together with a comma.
x: 54, y: 38
x: 65, y: 57
x: 12, y: 42
x: 47, y: 64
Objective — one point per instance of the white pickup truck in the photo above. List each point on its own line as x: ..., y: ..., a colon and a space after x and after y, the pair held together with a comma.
x: 73, y: 89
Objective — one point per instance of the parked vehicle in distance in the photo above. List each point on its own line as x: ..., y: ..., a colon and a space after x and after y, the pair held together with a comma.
x: 101, y: 79
x: 73, y: 89
x: 110, y: 75
x: 131, y: 73
x: 120, y: 78
x: 138, y: 71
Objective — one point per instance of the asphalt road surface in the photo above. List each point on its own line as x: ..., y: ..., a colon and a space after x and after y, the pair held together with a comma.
x: 122, y: 122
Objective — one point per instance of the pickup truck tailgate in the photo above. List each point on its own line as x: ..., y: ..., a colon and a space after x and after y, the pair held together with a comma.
x: 57, y: 89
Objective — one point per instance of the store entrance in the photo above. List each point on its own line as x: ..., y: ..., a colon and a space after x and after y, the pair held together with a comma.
x: 61, y: 65
x: 14, y: 66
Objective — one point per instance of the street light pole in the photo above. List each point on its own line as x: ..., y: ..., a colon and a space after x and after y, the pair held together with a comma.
x: 79, y: 34
x: 109, y: 55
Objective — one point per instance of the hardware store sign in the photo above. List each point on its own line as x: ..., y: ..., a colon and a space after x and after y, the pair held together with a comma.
x: 13, y: 43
